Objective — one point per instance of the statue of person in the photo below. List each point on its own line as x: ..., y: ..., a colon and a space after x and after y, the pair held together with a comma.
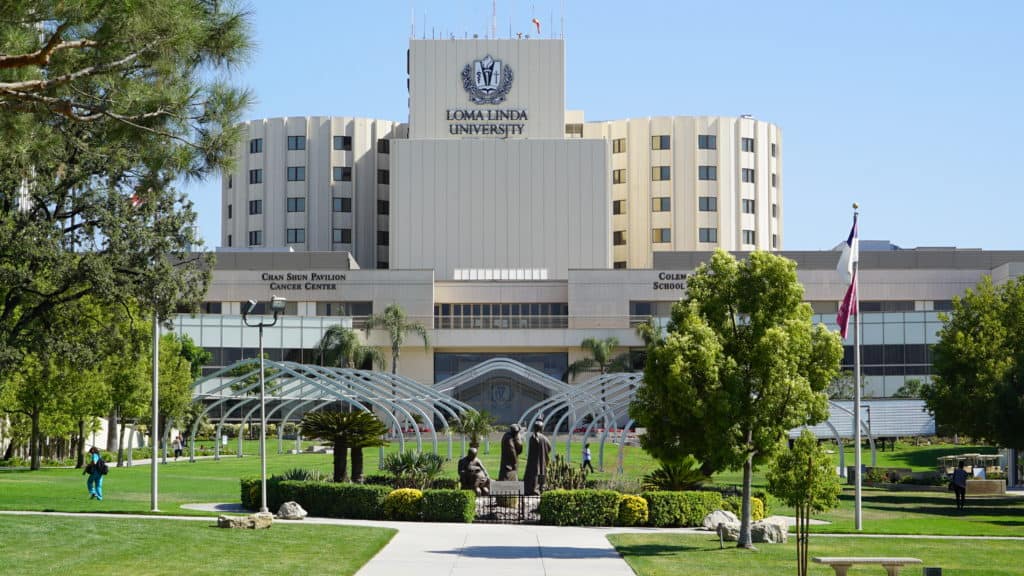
x: 511, y: 448
x: 472, y: 474
x: 536, y: 461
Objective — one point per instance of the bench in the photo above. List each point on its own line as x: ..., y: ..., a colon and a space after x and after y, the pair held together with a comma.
x: 841, y: 564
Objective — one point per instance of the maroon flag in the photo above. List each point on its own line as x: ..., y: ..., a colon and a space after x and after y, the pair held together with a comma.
x: 848, y: 307
x: 136, y: 200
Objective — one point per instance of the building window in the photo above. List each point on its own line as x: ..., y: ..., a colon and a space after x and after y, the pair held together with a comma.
x: 773, y: 179
x: 775, y: 210
x: 661, y: 204
x: 707, y: 203
x: 341, y: 235
x: 296, y: 235
x: 618, y: 207
x: 747, y: 144
x: 383, y: 207
x: 748, y: 206
x: 384, y: 146
x: 748, y: 175
x: 707, y: 172
x: 231, y: 181
x: 661, y: 235
x: 296, y: 204
x: 256, y: 146
x: 661, y: 142
x: 296, y: 173
x: 296, y: 142
x: 229, y: 240
x: 618, y: 146
x: 255, y: 237
x: 255, y: 206
x: 342, y: 142
x: 382, y: 265
x: 383, y: 238
x: 775, y: 240
x: 661, y: 173
x: 341, y: 204
x: 383, y: 176
x: 708, y: 234
x: 748, y: 237
x: 574, y: 130
x: 707, y: 142
x: 342, y: 174
x: 256, y: 176
x: 229, y: 211
x: 619, y: 265
x: 619, y: 238
x: 773, y: 149
x: 619, y: 176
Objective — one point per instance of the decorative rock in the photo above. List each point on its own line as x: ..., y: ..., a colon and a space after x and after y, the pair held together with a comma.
x: 291, y: 511
x: 773, y: 530
x: 711, y: 521
x: 258, y: 521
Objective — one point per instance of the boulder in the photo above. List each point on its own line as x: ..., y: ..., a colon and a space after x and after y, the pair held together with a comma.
x: 711, y: 521
x: 773, y: 530
x: 291, y: 511
x: 258, y: 521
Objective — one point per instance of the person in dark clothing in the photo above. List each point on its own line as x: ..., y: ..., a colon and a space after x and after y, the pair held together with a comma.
x: 95, y: 469
x: 960, y: 485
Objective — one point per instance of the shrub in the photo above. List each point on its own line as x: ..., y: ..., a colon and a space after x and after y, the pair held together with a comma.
x: 579, y: 507
x: 682, y: 475
x: 680, y: 508
x: 413, y: 469
x: 378, y: 480
x: 403, y: 504
x: 564, y: 476
x: 449, y: 505
x: 619, y: 484
x: 327, y: 499
x: 632, y: 510
x: 305, y: 475
x: 734, y: 504
x: 444, y: 484
x: 250, y: 493
x: 875, y: 476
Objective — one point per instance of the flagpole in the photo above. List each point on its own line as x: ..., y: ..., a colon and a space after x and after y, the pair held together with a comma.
x: 856, y: 386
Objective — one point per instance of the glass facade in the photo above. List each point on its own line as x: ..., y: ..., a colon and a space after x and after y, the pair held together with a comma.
x: 448, y: 364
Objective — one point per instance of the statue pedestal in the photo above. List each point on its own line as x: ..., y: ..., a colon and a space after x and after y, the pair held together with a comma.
x: 506, y: 487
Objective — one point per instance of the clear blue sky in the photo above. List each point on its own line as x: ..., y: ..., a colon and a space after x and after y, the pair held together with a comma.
x: 914, y: 109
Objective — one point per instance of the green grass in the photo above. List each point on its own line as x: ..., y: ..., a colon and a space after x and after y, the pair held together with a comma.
x: 77, y: 545
x: 699, y: 555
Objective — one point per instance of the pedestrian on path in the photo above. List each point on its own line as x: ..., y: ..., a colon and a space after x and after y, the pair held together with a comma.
x: 586, y: 459
x: 177, y: 445
x: 96, y: 469
x: 960, y: 485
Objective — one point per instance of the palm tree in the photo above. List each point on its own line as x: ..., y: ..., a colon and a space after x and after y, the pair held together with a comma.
x: 397, y: 325
x: 601, y: 356
x: 355, y: 430
x: 340, y: 346
x: 474, y: 425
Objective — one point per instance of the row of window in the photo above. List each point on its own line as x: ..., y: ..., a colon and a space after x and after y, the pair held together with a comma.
x: 661, y: 173
x: 338, y: 204
x: 299, y: 143
x: 663, y: 235
x: 502, y: 316
x: 298, y: 174
x: 298, y: 236
x: 704, y: 142
x: 704, y: 204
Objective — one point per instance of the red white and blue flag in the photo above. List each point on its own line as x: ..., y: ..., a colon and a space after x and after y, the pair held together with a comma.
x: 846, y: 267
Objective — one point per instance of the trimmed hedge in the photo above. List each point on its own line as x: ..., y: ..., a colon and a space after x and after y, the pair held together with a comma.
x: 734, y: 504
x: 632, y: 510
x: 579, y: 507
x: 327, y: 499
x: 403, y: 504
x: 680, y: 508
x: 449, y: 506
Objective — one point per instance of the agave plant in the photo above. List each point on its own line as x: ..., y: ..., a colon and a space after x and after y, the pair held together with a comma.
x: 682, y: 475
x: 413, y: 469
x: 562, y: 476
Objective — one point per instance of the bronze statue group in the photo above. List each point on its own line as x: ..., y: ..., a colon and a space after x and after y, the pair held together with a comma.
x: 473, y: 475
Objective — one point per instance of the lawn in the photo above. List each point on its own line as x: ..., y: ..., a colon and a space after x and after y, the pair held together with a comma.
x: 77, y: 545
x: 699, y: 555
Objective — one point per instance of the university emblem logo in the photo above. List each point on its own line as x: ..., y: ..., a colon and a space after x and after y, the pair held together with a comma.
x: 487, y: 81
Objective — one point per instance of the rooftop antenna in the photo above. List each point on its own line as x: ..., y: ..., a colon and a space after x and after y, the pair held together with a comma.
x: 494, y: 19
x: 412, y: 20
x: 561, y: 19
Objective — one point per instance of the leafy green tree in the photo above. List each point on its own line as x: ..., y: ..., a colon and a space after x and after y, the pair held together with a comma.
x: 910, y: 389
x: 340, y: 346
x: 474, y: 425
x: 355, y: 430
x: 397, y: 325
x: 841, y: 387
x: 804, y: 479
x: 739, y: 365
x: 102, y: 106
x: 978, y: 386
x: 601, y: 352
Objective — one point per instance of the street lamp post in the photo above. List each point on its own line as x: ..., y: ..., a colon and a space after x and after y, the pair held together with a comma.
x: 277, y: 307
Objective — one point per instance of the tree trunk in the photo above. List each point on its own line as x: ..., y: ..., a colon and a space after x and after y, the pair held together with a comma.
x: 11, y: 446
x: 744, y: 540
x: 80, y: 444
x: 357, y: 464
x: 120, y: 446
x: 36, y: 442
x: 113, y: 428
x: 394, y: 359
x: 340, y: 461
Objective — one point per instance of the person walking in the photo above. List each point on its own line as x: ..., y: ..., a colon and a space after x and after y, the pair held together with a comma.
x: 960, y: 485
x: 177, y: 446
x: 586, y: 459
x: 96, y: 469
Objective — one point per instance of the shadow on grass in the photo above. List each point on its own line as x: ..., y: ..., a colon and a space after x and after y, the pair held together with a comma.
x: 517, y: 552
x: 644, y: 550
